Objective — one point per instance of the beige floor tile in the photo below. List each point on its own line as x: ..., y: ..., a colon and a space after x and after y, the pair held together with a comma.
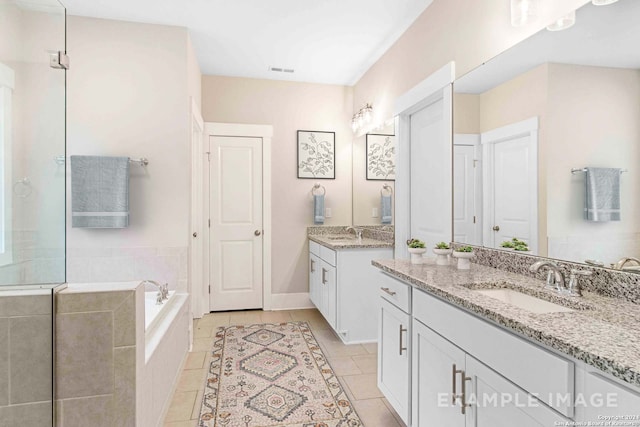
x: 363, y: 386
x: 275, y: 316
x: 393, y: 412
x: 245, y: 317
x: 371, y: 347
x: 368, y: 364
x: 203, y: 331
x: 340, y: 350
x: 346, y: 389
x: 191, y: 380
x: 190, y: 423
x: 344, y: 366
x: 374, y: 413
x: 202, y: 344
x: 181, y: 406
x: 195, y: 360
x: 198, y: 405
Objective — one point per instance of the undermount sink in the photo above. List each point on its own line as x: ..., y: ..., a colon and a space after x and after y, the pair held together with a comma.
x: 524, y: 301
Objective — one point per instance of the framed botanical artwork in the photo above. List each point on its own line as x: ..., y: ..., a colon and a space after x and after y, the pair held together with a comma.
x: 316, y: 154
x: 381, y: 157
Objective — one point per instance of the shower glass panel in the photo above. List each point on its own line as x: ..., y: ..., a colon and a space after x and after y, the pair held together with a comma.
x: 32, y: 206
x: 32, y: 135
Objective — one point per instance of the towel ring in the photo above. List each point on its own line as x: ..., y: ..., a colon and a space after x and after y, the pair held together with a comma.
x: 386, y: 187
x: 22, y: 188
x: 317, y: 187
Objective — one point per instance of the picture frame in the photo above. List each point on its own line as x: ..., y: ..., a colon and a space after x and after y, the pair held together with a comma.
x: 381, y: 157
x: 316, y: 154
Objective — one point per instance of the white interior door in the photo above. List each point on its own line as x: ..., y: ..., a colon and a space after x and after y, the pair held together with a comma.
x: 511, y: 175
x: 467, y: 202
x: 430, y: 175
x: 236, y: 247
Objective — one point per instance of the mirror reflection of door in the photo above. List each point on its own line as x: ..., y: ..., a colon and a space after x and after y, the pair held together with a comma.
x: 467, y: 181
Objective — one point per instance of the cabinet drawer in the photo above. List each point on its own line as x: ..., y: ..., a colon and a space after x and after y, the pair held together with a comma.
x: 328, y: 255
x: 529, y: 366
x: 314, y: 248
x: 396, y: 292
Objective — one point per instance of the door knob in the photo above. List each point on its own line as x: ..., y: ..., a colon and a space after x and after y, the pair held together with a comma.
x: 195, y: 234
x: 257, y: 232
x: 496, y: 228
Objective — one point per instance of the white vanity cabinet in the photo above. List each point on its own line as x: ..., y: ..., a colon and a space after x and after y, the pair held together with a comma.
x: 603, y: 397
x: 394, y: 344
x: 342, y: 287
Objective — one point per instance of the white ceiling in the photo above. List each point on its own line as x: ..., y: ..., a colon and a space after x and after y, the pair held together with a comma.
x: 606, y: 36
x: 325, y: 41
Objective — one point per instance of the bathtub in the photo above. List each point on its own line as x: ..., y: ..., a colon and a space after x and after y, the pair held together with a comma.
x: 153, y: 310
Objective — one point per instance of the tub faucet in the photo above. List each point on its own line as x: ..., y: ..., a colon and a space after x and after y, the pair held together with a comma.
x: 554, y: 276
x: 163, y: 291
x: 623, y: 261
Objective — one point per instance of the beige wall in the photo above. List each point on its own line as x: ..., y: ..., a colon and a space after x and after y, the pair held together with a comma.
x: 128, y: 94
x: 592, y: 121
x: 467, y: 32
x: 466, y: 113
x: 289, y: 107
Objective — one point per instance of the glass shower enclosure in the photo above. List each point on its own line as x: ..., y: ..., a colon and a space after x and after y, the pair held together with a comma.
x: 32, y: 205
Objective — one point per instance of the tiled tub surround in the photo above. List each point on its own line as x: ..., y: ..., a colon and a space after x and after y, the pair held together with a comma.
x: 110, y: 371
x: 603, y: 332
x: 603, y: 281
x: 372, y: 237
x: 26, y: 371
x: 99, y: 265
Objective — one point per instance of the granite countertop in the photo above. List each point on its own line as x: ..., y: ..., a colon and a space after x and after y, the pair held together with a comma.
x: 603, y: 332
x: 347, y: 241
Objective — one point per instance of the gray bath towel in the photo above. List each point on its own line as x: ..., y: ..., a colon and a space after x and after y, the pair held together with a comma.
x: 385, y: 208
x: 99, y: 192
x: 602, y: 196
x: 318, y: 209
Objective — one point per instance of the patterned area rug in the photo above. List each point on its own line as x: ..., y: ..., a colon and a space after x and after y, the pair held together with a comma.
x: 268, y: 375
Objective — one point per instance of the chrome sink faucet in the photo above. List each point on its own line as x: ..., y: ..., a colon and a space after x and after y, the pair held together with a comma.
x: 356, y: 231
x: 623, y: 261
x: 554, y: 276
x: 163, y: 290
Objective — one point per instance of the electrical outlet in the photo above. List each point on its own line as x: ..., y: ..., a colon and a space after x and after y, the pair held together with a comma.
x: 327, y: 212
x: 374, y: 213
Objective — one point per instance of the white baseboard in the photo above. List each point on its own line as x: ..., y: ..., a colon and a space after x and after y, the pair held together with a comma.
x: 291, y: 301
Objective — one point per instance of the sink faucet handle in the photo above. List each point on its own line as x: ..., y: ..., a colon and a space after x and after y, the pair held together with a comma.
x: 574, y: 284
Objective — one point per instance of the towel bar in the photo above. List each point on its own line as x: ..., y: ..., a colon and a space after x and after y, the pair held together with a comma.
x: 142, y: 161
x: 577, y: 170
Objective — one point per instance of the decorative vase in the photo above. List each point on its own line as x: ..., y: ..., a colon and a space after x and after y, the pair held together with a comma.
x: 442, y: 257
x: 464, y: 259
x: 416, y: 255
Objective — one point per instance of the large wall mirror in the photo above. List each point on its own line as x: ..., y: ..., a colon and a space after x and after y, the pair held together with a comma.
x: 373, y: 177
x: 539, y: 135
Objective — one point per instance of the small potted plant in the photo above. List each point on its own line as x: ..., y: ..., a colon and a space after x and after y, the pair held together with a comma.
x: 464, y: 255
x: 442, y: 250
x: 416, y: 249
x: 507, y: 245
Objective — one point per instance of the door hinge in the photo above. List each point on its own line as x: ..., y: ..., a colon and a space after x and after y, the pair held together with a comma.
x: 208, y: 153
x: 475, y: 162
x: 59, y: 60
x: 474, y: 219
x: 209, y: 223
x: 209, y: 288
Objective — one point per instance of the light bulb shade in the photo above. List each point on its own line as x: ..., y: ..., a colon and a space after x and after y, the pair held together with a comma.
x: 367, y: 116
x: 603, y: 2
x: 523, y: 12
x: 563, y: 23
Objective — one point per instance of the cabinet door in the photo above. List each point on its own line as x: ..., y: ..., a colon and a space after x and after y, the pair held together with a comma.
x: 314, y: 280
x: 328, y: 291
x: 393, y: 357
x: 603, y: 398
x: 437, y: 374
x: 497, y: 402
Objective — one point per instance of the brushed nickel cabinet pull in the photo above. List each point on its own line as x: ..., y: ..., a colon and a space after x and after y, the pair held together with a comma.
x: 464, y: 404
x: 324, y: 279
x: 387, y: 290
x: 313, y: 263
x: 402, y: 348
x: 454, y: 394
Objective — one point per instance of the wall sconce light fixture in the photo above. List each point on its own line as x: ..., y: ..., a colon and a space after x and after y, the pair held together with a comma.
x: 563, y: 23
x: 362, y: 118
x: 523, y: 12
